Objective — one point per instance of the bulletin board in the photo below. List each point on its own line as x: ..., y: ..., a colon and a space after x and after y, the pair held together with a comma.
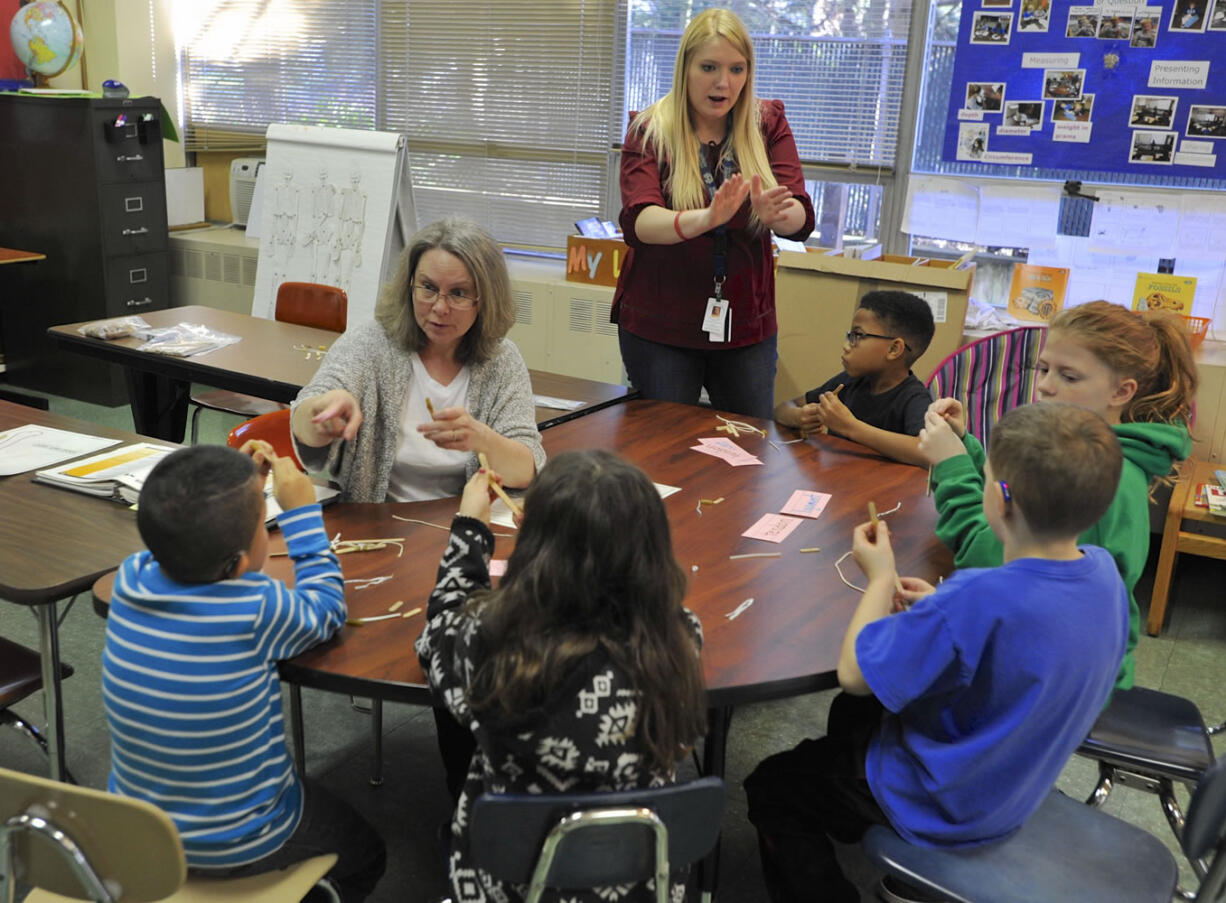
x: 1112, y: 87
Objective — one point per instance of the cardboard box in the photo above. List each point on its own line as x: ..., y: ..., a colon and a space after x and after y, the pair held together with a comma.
x: 816, y: 295
x: 594, y: 261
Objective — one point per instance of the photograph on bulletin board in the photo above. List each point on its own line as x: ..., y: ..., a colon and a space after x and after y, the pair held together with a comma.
x: 1109, y: 87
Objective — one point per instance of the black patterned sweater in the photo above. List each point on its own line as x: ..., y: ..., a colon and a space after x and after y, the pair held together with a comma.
x: 581, y: 740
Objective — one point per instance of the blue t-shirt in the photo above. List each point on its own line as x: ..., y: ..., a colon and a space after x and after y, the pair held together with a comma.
x: 990, y: 684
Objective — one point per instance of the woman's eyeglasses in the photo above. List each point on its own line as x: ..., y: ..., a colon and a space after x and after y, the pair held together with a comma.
x: 456, y: 299
x: 854, y: 337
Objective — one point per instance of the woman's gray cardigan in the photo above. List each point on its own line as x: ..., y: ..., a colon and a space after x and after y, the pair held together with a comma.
x: 377, y: 373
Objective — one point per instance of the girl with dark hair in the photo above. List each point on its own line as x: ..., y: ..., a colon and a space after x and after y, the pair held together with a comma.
x: 581, y: 672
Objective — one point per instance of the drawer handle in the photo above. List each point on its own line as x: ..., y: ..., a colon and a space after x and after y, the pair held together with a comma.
x: 130, y: 158
x: 143, y: 230
x: 132, y: 302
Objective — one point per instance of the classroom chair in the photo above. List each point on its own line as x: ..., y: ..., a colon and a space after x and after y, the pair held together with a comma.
x: 584, y: 840
x: 301, y: 303
x: 72, y: 843
x: 1068, y: 851
x: 273, y: 428
x: 990, y: 376
x: 20, y: 676
x: 1181, y: 513
x: 1150, y: 740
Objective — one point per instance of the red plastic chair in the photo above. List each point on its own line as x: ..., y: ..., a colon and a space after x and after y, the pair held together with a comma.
x: 273, y: 428
x: 301, y: 303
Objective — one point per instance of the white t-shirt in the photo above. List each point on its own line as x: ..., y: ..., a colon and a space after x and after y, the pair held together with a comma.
x: 422, y: 470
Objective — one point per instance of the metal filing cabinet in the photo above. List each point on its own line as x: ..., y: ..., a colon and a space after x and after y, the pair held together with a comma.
x: 81, y: 180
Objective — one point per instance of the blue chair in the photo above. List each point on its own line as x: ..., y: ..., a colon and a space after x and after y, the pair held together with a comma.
x: 572, y: 841
x: 1150, y: 740
x: 1068, y: 851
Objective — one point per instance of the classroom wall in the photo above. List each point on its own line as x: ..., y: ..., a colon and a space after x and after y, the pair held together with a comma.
x: 124, y: 42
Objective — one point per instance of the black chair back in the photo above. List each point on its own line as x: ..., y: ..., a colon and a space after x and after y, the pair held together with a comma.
x: 508, y: 831
x: 1204, y: 831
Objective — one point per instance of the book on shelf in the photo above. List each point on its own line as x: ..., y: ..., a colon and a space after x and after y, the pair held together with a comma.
x: 1037, y: 292
x: 117, y: 474
x: 1215, y: 497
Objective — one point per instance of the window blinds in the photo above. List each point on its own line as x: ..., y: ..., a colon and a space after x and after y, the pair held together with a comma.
x: 837, y: 67
x: 507, y: 106
x: 246, y: 63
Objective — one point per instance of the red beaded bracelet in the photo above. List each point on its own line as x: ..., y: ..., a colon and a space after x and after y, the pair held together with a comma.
x: 677, y: 226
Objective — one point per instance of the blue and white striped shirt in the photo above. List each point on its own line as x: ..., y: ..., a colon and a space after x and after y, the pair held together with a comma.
x: 192, y: 698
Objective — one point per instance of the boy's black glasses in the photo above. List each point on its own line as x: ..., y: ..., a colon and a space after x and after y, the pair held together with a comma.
x: 854, y: 337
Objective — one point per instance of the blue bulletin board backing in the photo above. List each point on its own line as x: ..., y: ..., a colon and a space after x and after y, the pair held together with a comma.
x: 1113, y: 87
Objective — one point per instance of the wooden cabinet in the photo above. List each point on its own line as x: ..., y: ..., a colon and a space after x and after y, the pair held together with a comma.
x: 83, y: 183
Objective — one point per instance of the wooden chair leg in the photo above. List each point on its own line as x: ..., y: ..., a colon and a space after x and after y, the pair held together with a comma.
x: 1168, y: 553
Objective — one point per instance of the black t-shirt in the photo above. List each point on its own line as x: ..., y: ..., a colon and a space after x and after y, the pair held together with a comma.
x: 897, y: 410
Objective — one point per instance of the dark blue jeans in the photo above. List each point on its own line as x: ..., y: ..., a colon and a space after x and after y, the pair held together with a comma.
x: 740, y: 380
x: 801, y: 798
x: 328, y: 825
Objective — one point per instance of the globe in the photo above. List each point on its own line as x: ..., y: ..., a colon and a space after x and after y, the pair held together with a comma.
x: 47, y: 39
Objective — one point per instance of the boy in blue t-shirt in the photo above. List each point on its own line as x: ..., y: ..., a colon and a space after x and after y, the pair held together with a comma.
x: 876, y: 400
x: 981, y: 688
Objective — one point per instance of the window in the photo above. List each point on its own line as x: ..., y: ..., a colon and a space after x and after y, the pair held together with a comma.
x: 838, y: 68
x: 507, y: 105
x: 508, y: 109
x: 246, y: 63
x: 1094, y: 275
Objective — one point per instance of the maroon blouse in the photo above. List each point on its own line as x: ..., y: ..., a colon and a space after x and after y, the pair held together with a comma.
x: 662, y: 291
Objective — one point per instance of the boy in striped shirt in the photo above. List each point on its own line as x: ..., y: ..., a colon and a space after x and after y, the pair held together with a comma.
x: 189, y: 668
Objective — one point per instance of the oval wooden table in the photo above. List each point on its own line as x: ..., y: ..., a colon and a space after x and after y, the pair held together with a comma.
x: 786, y: 643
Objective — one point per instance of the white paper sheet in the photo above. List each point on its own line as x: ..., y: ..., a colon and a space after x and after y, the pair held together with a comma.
x: 1202, y: 228
x: 33, y: 447
x: 941, y: 208
x: 1133, y: 223
x: 1019, y: 216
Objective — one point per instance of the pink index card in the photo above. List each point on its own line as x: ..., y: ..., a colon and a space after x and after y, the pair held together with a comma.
x: 804, y: 503
x: 725, y: 449
x: 773, y: 527
x: 498, y: 567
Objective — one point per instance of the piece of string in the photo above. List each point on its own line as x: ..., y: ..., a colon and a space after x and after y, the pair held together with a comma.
x: 426, y: 523
x: 842, y: 558
x: 742, y: 425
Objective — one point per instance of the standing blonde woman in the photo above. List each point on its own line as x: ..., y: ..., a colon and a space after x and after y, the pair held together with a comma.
x: 707, y: 173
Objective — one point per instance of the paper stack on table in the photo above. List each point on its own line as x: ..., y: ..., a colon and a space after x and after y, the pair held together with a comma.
x: 33, y: 446
x: 118, y: 474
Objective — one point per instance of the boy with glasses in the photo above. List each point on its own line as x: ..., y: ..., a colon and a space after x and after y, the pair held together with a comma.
x: 876, y: 401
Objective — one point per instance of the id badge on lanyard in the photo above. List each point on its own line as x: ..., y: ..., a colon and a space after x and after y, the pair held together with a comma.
x: 717, y: 321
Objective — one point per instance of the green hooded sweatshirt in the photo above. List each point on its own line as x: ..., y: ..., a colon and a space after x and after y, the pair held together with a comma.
x: 1150, y: 450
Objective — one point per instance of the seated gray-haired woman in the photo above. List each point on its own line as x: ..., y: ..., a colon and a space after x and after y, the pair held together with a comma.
x: 400, y: 407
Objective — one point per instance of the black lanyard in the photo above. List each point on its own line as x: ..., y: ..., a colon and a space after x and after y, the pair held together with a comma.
x: 728, y: 165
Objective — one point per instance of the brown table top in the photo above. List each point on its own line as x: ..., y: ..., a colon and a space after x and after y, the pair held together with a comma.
x: 786, y: 643
x: 55, y: 542
x: 266, y: 364
x: 12, y: 255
